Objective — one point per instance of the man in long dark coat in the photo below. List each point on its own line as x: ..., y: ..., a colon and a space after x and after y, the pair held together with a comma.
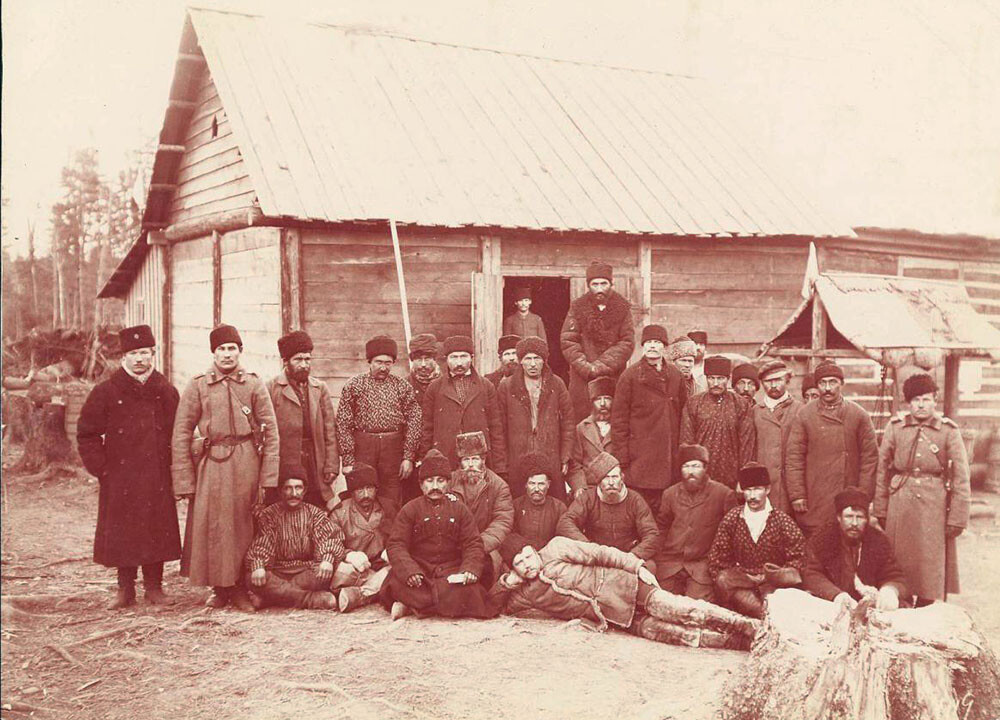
x: 307, y: 437
x: 646, y: 419
x: 773, y: 425
x: 831, y: 446
x: 123, y: 436
x: 597, y: 337
x: 436, y: 554
x: 462, y: 401
x: 537, y: 414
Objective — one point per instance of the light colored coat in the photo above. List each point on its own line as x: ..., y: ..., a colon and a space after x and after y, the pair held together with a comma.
x: 773, y: 430
x: 226, y: 479
x: 587, y: 444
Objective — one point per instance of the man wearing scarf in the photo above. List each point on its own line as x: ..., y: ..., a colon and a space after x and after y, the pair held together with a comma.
x: 773, y: 424
x: 123, y: 436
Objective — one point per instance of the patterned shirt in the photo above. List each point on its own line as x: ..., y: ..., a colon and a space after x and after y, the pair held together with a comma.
x: 724, y: 426
x: 377, y: 406
x: 294, y: 539
x: 781, y: 543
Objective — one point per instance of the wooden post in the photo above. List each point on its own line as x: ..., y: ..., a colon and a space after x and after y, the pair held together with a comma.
x: 818, y: 330
x: 216, y: 279
x: 291, y: 280
x: 951, y: 363
x: 166, y: 295
x: 401, y: 281
x: 646, y: 278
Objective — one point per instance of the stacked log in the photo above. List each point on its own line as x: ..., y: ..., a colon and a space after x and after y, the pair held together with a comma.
x: 818, y: 660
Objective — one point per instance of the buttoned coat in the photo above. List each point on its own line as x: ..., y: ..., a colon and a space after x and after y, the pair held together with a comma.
x: 628, y: 525
x: 828, y: 450
x: 288, y: 413
x: 588, y: 443
x: 687, y: 524
x: 910, y: 495
x: 529, y: 325
x: 123, y: 436
x: 774, y: 427
x: 491, y: 505
x: 445, y: 416
x: 552, y: 435
x: 646, y: 422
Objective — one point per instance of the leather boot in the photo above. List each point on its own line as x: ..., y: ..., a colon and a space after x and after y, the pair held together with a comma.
x: 240, y: 600
x: 219, y: 597
x: 125, y: 596
x: 152, y: 583
x: 747, y: 603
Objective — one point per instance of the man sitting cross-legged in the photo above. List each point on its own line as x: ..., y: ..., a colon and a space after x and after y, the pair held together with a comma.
x: 294, y: 551
x: 570, y: 579
x: 365, y: 520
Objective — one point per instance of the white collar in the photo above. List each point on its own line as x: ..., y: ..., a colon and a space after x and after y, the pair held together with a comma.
x: 770, y: 403
x: 139, y: 378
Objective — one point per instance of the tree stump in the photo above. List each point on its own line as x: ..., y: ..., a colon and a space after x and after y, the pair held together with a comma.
x: 46, y: 443
x: 817, y: 660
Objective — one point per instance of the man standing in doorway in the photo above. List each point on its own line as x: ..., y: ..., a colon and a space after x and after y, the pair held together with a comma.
x: 507, y: 351
x: 524, y: 323
x: 773, y: 425
x: 597, y: 337
x: 831, y: 446
x: 306, y: 434
x: 378, y: 420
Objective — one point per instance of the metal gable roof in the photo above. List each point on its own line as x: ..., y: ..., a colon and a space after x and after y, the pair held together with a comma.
x: 340, y: 125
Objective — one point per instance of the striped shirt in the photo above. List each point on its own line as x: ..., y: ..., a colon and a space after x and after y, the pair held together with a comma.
x: 290, y: 539
x: 377, y: 406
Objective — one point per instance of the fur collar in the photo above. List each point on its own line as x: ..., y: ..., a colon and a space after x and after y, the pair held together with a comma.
x: 601, y: 325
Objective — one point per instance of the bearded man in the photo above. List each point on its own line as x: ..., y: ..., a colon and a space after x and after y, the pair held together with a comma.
x: 773, y: 424
x: 424, y: 367
x: 536, y: 513
x: 592, y: 435
x: 597, y: 337
x: 507, y: 351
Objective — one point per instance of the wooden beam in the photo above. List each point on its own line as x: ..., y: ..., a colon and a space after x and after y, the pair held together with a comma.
x: 156, y: 237
x: 951, y: 365
x: 162, y: 187
x: 489, y: 255
x: 809, y: 353
x: 181, y: 105
x: 291, y: 280
x: 153, y: 225
x: 166, y: 297
x: 163, y: 147
x: 195, y: 58
x: 223, y: 222
x: 818, y: 330
x: 216, y: 279
x: 646, y: 278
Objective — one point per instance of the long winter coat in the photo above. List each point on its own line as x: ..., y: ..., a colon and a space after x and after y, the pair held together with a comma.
x: 124, y: 440
x: 445, y: 416
x: 575, y: 577
x: 226, y: 478
x: 595, y: 343
x: 490, y: 504
x: 552, y: 434
x: 588, y: 443
x: 830, y: 570
x: 288, y: 412
x: 773, y: 430
x: 646, y: 422
x: 828, y: 450
x: 910, y: 495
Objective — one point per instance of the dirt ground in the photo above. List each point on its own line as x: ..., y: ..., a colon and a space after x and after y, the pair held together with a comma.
x: 67, y: 656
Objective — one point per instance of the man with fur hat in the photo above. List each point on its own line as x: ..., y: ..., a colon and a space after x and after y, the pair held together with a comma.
x: 507, y: 351
x: 436, y: 553
x: 225, y: 469
x: 646, y: 419
x: 483, y: 492
x: 773, y: 425
x: 809, y: 389
x: 424, y: 368
x: 294, y: 551
x: 922, y: 491
x: 537, y: 414
x: 307, y: 437
x: 462, y: 401
x: 608, y: 513
x: 378, y: 420
x: 682, y: 354
x: 597, y: 337
x: 365, y: 521
x: 757, y: 549
x: 536, y: 513
x: 720, y: 421
x: 852, y: 558
x: 700, y: 339
x: 746, y: 381
x: 523, y: 322
x: 123, y: 436
x: 592, y: 435
x: 571, y: 579
x: 831, y: 446
x: 689, y: 514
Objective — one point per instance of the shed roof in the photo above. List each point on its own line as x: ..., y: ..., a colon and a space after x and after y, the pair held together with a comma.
x: 888, y: 318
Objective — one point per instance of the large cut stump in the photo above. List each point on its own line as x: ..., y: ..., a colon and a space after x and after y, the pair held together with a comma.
x: 818, y: 660
x: 47, y: 443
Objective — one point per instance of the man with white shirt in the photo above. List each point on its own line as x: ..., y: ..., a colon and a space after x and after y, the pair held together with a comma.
x: 773, y: 422
x: 757, y: 548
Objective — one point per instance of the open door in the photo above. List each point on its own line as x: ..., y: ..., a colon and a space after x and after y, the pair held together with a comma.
x: 487, y: 319
x: 630, y: 288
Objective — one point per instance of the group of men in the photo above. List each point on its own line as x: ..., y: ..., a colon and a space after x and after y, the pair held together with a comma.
x: 660, y: 496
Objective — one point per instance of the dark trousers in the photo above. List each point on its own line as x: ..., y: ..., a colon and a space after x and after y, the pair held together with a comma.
x: 384, y: 452
x: 152, y: 576
x: 292, y: 588
x: 651, y: 496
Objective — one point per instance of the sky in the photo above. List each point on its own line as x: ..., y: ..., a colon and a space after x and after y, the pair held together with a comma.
x: 885, y: 114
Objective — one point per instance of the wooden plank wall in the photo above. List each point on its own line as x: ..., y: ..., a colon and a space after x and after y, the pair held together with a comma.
x: 144, y: 301
x: 251, y: 295
x: 739, y: 292
x: 350, y: 293
x: 190, y: 308
x: 212, y: 176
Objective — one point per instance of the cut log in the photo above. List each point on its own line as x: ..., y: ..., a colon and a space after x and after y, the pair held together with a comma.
x: 47, y: 443
x: 818, y: 660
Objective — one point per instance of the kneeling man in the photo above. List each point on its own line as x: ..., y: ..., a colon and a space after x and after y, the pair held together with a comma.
x: 294, y: 551
x: 756, y: 550
x: 569, y: 579
x: 852, y: 557
x: 435, y: 552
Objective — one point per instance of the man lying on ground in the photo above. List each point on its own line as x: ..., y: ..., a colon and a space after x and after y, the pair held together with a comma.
x: 569, y: 579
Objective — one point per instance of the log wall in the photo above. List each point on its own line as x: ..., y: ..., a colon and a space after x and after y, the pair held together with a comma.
x: 144, y: 300
x: 190, y: 308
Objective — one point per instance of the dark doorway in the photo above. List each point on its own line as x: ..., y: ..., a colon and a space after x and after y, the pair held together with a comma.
x: 550, y: 301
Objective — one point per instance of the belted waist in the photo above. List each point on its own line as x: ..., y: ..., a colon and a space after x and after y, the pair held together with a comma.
x: 918, y: 472
x: 379, y: 433
x: 231, y: 440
